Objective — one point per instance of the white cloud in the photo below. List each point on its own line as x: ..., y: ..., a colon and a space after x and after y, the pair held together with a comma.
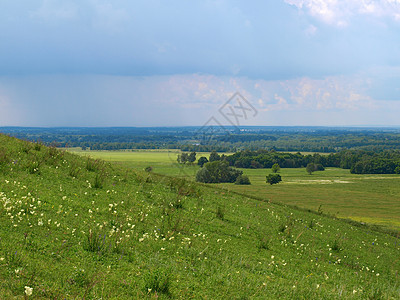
x: 340, y: 12
x: 280, y: 105
x: 93, y: 100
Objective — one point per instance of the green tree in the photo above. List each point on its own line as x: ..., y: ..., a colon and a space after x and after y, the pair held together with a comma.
x: 216, y: 172
x: 214, y: 156
x: 397, y: 170
x: 183, y: 158
x: 192, y: 157
x: 276, y: 168
x: 202, y: 160
x: 310, y: 168
x: 273, y: 179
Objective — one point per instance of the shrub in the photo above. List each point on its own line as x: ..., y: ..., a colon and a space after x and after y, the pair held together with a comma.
x: 242, y: 179
x: 273, y: 179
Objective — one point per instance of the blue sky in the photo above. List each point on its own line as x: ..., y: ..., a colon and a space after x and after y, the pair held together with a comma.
x: 172, y: 63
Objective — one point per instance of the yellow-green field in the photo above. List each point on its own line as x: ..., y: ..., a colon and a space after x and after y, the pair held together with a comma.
x: 372, y: 199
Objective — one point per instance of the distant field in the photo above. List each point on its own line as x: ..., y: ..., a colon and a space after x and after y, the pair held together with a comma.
x: 162, y: 161
x: 368, y: 198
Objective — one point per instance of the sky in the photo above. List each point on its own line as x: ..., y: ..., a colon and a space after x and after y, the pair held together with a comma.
x: 177, y: 63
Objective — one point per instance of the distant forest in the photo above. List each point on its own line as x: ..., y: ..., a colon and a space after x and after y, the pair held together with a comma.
x: 227, y: 139
x: 358, y: 161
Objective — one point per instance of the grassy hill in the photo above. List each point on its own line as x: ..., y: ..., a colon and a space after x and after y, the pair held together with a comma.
x: 372, y: 198
x: 73, y: 227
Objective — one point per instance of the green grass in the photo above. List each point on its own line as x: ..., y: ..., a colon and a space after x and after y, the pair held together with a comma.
x: 367, y: 198
x: 372, y: 199
x: 141, y: 235
x: 162, y: 161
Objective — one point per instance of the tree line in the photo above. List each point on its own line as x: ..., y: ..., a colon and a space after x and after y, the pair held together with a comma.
x: 358, y: 161
x: 303, y: 139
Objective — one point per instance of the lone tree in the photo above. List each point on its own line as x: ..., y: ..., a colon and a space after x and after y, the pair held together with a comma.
x: 311, y: 167
x: 275, y: 168
x: 202, y: 160
x: 274, y: 179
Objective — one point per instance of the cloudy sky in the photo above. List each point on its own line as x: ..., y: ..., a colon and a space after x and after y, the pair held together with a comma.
x: 172, y: 63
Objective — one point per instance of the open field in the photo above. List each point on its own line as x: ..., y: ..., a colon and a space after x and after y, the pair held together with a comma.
x: 162, y: 161
x: 367, y: 198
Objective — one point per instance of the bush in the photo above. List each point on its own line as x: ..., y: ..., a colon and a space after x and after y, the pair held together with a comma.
x: 216, y: 172
x: 242, y: 179
x: 273, y: 179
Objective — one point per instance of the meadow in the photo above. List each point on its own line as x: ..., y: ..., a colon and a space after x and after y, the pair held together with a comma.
x: 74, y: 227
x: 373, y: 199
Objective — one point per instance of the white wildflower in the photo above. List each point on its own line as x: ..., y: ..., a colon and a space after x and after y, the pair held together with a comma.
x: 28, y: 290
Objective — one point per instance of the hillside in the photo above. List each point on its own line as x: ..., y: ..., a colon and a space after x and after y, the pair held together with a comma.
x: 74, y: 227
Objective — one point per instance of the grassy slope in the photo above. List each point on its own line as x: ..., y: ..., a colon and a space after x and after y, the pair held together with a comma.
x: 140, y: 235
x: 368, y: 198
